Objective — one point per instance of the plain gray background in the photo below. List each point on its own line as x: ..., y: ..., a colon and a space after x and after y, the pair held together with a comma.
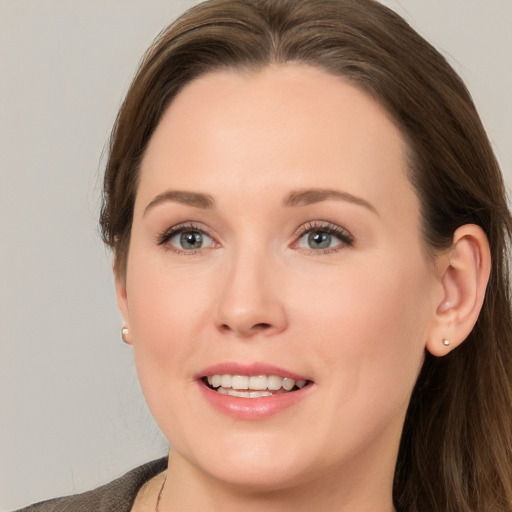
x: 72, y: 415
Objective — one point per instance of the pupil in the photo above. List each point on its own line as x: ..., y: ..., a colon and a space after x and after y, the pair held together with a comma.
x: 191, y: 240
x: 319, y: 240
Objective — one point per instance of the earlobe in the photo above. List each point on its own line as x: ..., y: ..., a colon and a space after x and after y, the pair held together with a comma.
x: 464, y: 275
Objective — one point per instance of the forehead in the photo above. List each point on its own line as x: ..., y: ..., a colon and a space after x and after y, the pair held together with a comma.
x: 283, y: 127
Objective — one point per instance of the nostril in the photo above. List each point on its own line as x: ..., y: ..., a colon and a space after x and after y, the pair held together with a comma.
x: 261, y: 327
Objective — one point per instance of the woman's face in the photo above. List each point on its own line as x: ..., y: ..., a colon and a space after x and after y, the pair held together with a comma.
x: 276, y: 238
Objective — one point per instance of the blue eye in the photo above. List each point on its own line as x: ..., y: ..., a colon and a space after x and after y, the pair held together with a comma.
x: 190, y: 240
x: 318, y: 240
x: 185, y: 239
x: 320, y: 237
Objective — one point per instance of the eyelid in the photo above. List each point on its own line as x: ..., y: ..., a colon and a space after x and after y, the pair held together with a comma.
x: 322, y: 225
x: 339, y: 232
x: 164, y: 236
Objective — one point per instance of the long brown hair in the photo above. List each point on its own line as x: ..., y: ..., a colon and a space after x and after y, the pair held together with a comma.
x: 456, y: 448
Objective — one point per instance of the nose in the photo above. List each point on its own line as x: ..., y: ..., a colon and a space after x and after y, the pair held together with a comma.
x: 250, y: 298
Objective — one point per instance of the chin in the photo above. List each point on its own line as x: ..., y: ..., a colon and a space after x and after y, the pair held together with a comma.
x: 252, y: 463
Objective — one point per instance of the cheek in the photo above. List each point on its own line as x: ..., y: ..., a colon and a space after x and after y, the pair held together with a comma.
x: 166, y: 317
x: 166, y: 311
x: 368, y: 330
x: 364, y: 335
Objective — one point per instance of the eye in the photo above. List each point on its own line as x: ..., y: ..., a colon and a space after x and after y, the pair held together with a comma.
x: 190, y: 240
x: 323, y: 237
x: 185, y: 239
x: 317, y: 240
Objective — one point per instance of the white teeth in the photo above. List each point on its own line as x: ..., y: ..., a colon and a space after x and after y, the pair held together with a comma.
x: 274, y: 382
x: 240, y: 382
x: 257, y: 394
x: 259, y: 382
x: 247, y: 394
x: 225, y: 381
x: 235, y: 385
x: 288, y: 384
x: 241, y: 394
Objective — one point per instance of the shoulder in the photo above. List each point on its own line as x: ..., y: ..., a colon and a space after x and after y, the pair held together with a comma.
x: 116, y: 496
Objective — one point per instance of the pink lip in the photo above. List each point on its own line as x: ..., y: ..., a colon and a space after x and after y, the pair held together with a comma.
x: 251, y: 408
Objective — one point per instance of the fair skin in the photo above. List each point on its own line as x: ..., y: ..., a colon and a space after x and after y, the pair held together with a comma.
x: 323, y: 286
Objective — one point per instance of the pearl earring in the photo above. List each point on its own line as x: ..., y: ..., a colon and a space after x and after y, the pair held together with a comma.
x: 446, y: 342
x: 125, y: 332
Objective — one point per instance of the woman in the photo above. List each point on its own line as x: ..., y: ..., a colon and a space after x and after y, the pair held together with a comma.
x: 309, y: 232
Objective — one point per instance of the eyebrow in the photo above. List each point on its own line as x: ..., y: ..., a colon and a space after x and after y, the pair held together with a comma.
x: 295, y: 198
x: 316, y: 195
x: 195, y: 199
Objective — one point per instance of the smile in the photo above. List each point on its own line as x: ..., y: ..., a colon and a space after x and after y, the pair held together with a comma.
x: 254, y: 391
x: 254, y: 386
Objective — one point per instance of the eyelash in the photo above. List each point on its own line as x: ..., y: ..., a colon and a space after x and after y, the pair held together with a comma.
x: 168, y: 234
x: 346, y: 239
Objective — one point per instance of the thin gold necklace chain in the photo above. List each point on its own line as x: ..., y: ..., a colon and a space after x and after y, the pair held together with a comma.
x: 160, y: 494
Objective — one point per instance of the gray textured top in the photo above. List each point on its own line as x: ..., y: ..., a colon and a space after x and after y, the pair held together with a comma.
x: 117, y: 496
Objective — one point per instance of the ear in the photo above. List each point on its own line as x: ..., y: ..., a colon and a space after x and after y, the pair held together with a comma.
x: 464, y: 272
x: 122, y: 302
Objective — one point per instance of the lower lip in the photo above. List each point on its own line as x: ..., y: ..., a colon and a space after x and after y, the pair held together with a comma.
x: 253, y: 408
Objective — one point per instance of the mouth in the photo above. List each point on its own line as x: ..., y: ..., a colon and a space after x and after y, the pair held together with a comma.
x: 253, y: 386
x: 254, y: 391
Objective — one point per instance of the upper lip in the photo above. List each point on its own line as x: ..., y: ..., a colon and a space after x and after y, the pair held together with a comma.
x: 252, y: 369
